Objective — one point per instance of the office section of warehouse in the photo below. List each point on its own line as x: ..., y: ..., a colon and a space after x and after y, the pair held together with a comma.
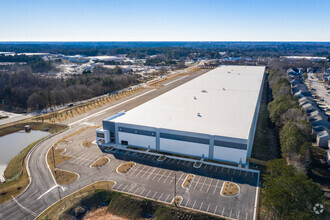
x: 212, y: 116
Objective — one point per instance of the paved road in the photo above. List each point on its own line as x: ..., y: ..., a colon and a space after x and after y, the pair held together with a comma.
x: 319, y: 88
x: 38, y: 195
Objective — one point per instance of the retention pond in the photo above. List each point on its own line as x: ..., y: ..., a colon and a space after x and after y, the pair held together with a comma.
x: 12, y: 144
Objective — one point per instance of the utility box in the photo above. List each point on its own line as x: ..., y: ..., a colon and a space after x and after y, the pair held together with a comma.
x: 27, y: 128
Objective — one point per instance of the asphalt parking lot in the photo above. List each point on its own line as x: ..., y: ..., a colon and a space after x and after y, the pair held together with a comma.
x: 213, y: 171
x: 203, y: 193
x: 156, y: 180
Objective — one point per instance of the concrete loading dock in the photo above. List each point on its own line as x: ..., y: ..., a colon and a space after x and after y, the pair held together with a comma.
x: 213, y: 116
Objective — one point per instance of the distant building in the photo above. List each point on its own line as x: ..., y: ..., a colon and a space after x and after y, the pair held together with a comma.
x: 305, y: 57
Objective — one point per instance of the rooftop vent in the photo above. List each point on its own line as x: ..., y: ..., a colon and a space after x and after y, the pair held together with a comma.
x: 204, y: 91
x: 195, y: 98
x: 223, y: 88
x: 199, y: 114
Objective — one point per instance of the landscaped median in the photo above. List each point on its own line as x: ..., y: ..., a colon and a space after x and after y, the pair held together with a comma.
x: 15, y: 173
x: 101, y: 162
x: 229, y: 189
x: 188, y: 180
x: 125, y: 167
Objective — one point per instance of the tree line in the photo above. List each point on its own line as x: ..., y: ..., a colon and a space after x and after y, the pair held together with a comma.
x: 288, y: 192
x: 22, y: 90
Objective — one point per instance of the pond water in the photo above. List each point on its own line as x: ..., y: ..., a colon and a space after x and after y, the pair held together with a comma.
x: 12, y: 144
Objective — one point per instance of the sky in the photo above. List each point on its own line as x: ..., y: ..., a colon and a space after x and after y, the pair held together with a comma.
x: 166, y: 20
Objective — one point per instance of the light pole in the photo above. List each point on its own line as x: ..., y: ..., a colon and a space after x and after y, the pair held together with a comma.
x: 175, y: 184
x: 54, y: 159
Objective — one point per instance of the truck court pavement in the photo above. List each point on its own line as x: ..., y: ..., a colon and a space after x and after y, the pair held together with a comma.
x: 155, y: 180
x: 158, y: 178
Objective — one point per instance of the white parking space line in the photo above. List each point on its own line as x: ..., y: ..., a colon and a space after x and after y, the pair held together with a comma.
x: 151, y: 173
x: 131, y: 188
x: 168, y: 176
x: 178, y: 180
x: 216, y: 168
x: 142, y: 192
x: 200, y: 208
x: 230, y: 213
x: 187, y: 202
x: 216, y: 186
x: 203, y: 184
x: 144, y: 172
x: 238, y: 214
x: 148, y: 193
x: 154, y: 195
x: 209, y: 186
x: 223, y: 211
x: 246, y: 216
x: 197, y: 182
x: 160, y: 196
x: 189, y: 163
x: 178, y: 162
x: 135, y: 169
x: 216, y: 207
x: 124, y: 188
x: 161, y: 176
x: 167, y: 197
x: 136, y: 191
x: 156, y: 174
x: 194, y: 204
x: 119, y: 186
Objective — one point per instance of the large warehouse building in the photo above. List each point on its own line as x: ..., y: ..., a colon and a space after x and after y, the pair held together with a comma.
x: 212, y: 116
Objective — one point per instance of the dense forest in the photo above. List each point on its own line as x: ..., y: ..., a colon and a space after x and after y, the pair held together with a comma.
x: 172, y: 50
x: 20, y: 89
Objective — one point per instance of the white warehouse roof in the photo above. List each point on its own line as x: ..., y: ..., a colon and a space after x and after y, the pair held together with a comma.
x: 225, y: 98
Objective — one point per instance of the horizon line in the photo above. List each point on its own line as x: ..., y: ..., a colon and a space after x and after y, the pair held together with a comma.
x: 197, y: 41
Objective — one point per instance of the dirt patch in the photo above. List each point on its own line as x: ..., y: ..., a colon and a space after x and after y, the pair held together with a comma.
x: 55, y: 211
x: 86, y: 143
x: 176, y: 200
x: 187, y: 182
x: 230, y: 189
x: 125, y: 167
x: 64, y: 177
x: 101, y: 162
x: 102, y: 214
